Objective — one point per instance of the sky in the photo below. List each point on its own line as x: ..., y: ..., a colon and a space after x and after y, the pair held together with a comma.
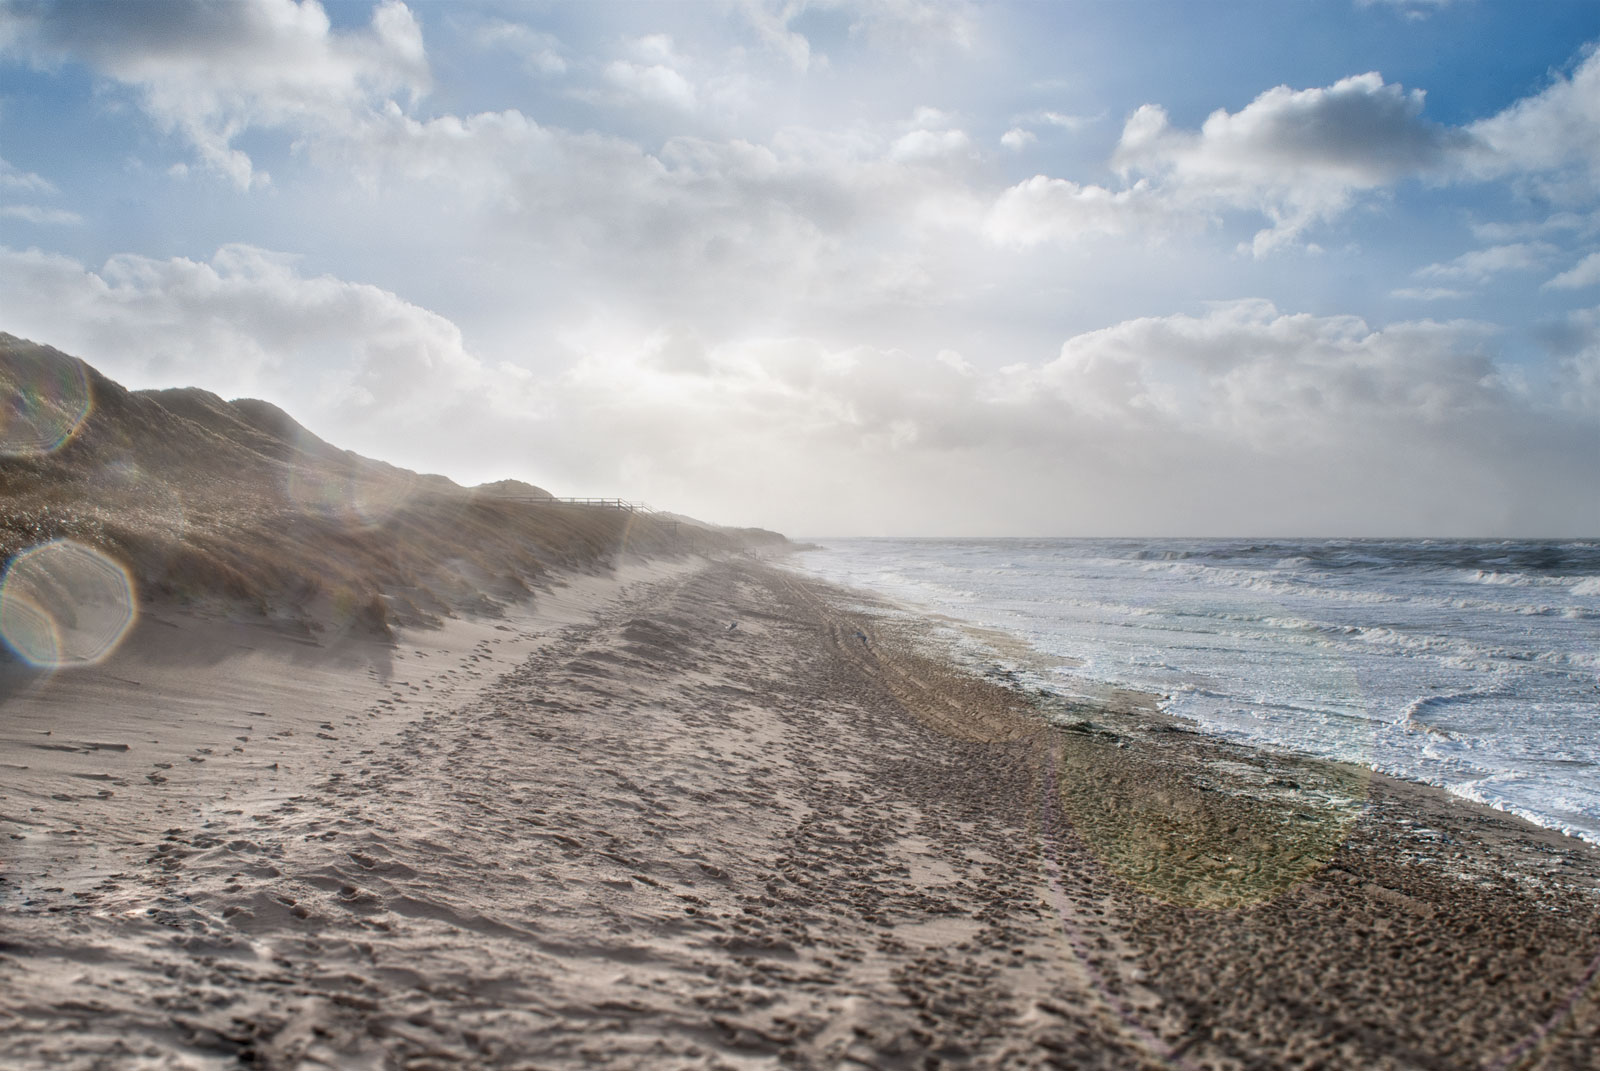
x: 837, y: 267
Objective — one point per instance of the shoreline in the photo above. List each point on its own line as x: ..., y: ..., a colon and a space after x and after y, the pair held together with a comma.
x: 1133, y: 706
x: 1136, y: 717
x: 638, y: 836
x: 1013, y: 660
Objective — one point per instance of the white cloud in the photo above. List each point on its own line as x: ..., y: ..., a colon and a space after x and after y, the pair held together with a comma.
x: 209, y: 71
x: 541, y: 53
x: 1303, y: 157
x: 12, y: 178
x: 1245, y: 368
x: 1042, y: 209
x: 1298, y: 156
x: 1016, y: 139
x: 917, y: 29
x: 1072, y: 123
x: 919, y: 25
x: 1176, y: 423
x: 929, y: 144
x: 41, y: 216
x: 652, y: 76
x: 15, y: 180
x: 811, y: 221
x: 1551, y: 139
x: 248, y: 322
x: 1428, y: 293
x: 1580, y: 369
x: 1584, y: 273
x: 654, y: 84
x: 1360, y: 131
x: 1019, y: 135
x: 1415, y: 10
x: 770, y: 19
x: 706, y: 317
x: 1556, y: 223
x: 1219, y: 421
x: 1480, y: 264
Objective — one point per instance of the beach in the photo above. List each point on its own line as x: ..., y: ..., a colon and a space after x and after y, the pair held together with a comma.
x: 706, y: 812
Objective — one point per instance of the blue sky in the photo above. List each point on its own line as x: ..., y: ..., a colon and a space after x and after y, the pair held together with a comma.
x: 838, y: 266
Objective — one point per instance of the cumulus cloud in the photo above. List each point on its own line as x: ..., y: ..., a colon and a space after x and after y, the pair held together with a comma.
x: 652, y: 84
x: 1302, y: 157
x: 1403, y: 426
x: 249, y: 322
x: 1042, y: 209
x: 1299, y: 156
x: 727, y: 227
x: 1551, y: 140
x: 1247, y: 369
x: 1017, y: 139
x: 652, y: 76
x: 705, y: 318
x: 591, y: 196
x: 929, y: 144
x: 208, y: 71
x: 1407, y: 426
x: 1360, y: 131
x: 1584, y: 273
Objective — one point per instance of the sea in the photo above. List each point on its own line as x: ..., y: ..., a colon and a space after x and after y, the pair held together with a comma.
x: 1473, y: 666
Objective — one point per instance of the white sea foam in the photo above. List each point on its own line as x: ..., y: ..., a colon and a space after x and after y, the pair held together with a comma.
x: 1472, y: 666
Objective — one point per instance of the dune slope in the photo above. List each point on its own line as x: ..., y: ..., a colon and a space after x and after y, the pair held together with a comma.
x: 208, y: 501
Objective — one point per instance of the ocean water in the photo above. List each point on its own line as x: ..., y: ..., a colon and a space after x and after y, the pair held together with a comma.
x: 1474, y: 666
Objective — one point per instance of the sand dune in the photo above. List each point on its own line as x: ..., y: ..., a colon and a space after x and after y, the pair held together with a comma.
x: 235, y: 505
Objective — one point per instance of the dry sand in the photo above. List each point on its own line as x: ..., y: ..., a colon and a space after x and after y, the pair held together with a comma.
x: 609, y: 831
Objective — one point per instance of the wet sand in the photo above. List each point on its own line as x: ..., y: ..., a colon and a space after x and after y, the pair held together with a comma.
x: 610, y: 831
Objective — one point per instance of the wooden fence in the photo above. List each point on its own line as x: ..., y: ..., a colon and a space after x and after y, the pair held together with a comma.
x: 605, y: 503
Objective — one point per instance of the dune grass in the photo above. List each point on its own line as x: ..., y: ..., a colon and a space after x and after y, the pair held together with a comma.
x: 235, y: 505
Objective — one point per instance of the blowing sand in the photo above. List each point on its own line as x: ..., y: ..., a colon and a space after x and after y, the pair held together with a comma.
x: 611, y: 831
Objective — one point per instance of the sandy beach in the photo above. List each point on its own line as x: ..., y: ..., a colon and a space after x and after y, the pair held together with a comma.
x: 609, y: 830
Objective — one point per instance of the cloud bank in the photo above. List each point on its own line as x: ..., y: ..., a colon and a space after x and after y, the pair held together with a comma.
x: 739, y: 265
x: 1245, y: 403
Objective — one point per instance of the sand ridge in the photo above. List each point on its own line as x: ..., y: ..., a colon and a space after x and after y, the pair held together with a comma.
x: 657, y: 841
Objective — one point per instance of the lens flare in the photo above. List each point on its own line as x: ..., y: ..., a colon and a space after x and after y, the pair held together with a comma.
x: 44, y: 400
x: 65, y: 604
